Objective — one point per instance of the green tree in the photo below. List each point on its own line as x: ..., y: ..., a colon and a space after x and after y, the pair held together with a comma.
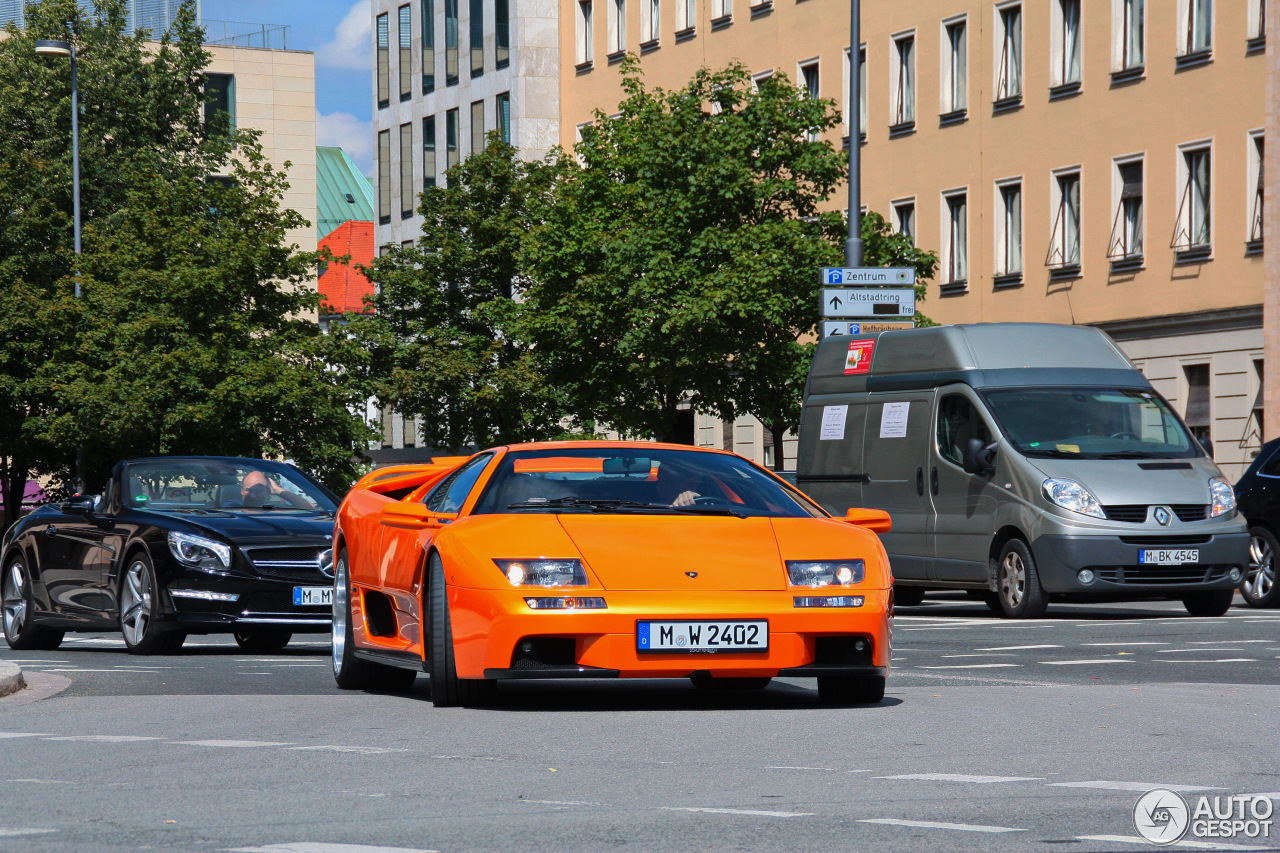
x: 190, y: 334
x: 443, y: 337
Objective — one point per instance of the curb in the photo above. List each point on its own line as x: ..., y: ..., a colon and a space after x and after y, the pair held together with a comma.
x: 11, y: 680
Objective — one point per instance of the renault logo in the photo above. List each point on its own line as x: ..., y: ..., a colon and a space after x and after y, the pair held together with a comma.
x: 691, y: 574
x: 1163, y: 516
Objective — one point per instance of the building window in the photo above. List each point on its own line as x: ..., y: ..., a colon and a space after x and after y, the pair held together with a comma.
x: 1125, y: 245
x: 1195, y: 18
x: 406, y: 171
x: 477, y: 127
x: 451, y: 42
x: 502, y: 33
x: 429, y: 151
x: 450, y: 139
x: 1064, y: 238
x: 862, y: 93
x: 1129, y: 34
x: 384, y: 176
x: 404, y: 38
x: 955, y: 242
x: 721, y: 9
x: 503, y: 105
x: 1257, y: 24
x: 904, y: 219
x: 475, y: 26
x: 617, y: 26
x: 902, y: 80
x: 582, y: 28
x: 220, y: 97
x: 428, y: 46
x: 383, y: 29
x: 1192, y: 236
x: 1255, y: 189
x: 686, y: 16
x: 650, y: 11
x: 1008, y: 55
x: 811, y: 83
x: 1065, y: 45
x: 1197, y: 415
x: 955, y: 68
x: 1009, y: 231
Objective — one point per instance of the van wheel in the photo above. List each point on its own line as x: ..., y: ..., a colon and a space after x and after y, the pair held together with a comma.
x: 1259, y: 585
x: 907, y: 596
x: 992, y: 600
x: 1213, y: 603
x: 1019, y: 584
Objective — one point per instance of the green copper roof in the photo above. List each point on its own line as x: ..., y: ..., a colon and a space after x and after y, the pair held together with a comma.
x: 342, y: 193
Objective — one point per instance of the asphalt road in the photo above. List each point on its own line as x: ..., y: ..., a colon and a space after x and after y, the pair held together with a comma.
x: 994, y: 735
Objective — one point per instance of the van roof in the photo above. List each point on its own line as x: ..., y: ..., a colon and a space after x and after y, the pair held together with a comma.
x: 983, y: 355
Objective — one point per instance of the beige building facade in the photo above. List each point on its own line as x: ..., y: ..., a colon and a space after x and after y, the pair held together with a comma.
x: 1094, y: 163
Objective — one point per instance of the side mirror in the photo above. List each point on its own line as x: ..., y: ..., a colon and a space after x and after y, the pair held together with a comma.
x: 875, y: 520
x: 979, y: 458
x: 1207, y: 444
x: 79, y: 505
x: 413, y: 516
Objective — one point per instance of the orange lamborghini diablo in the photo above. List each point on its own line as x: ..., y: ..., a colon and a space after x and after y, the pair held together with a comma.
x: 594, y: 559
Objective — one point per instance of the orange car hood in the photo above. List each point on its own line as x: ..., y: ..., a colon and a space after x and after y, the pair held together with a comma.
x: 654, y: 553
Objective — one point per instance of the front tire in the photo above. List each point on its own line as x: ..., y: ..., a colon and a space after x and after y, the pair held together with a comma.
x: 1019, y: 592
x: 262, y: 641
x: 447, y: 689
x: 349, y: 671
x: 850, y: 689
x: 20, y: 629
x: 1213, y: 603
x: 907, y: 596
x: 1258, y: 588
x: 138, y: 595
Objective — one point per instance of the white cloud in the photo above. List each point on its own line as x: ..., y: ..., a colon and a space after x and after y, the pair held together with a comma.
x: 350, y: 48
x: 345, y: 131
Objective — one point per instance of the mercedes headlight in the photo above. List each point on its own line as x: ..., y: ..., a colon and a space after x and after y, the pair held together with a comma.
x: 1069, y: 494
x: 1224, y: 497
x: 199, y: 552
x: 826, y: 572
x: 543, y: 572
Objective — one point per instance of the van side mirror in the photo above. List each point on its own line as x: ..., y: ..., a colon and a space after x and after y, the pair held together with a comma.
x: 979, y: 458
x: 1207, y: 444
x: 875, y: 520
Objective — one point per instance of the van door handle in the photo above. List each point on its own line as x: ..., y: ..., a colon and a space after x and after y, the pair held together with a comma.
x: 933, y: 480
x: 920, y: 482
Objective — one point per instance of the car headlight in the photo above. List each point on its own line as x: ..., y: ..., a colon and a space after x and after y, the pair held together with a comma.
x: 826, y: 572
x: 543, y: 572
x: 1069, y: 494
x: 199, y: 552
x: 1224, y: 497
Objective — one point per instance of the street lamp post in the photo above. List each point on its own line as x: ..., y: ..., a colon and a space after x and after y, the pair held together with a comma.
x: 853, y: 246
x: 48, y: 47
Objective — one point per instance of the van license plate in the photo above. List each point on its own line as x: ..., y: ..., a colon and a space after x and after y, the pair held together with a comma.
x: 1169, y: 556
x: 303, y: 595
x: 704, y: 636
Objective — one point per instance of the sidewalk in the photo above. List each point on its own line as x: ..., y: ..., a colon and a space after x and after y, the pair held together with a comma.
x: 11, y: 680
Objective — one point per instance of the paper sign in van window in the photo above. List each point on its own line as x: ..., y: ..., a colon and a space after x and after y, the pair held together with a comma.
x: 833, y: 418
x: 858, y: 359
x: 893, y: 420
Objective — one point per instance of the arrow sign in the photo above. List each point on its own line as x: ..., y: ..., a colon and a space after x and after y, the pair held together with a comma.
x: 836, y: 302
x: 883, y: 303
x: 868, y: 275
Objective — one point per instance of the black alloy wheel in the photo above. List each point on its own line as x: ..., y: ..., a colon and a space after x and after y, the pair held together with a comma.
x: 138, y: 596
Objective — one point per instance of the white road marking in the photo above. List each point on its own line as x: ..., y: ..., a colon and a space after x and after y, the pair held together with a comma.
x: 1079, y: 662
x: 103, y: 738
x: 4, y: 735
x: 1209, y: 660
x: 1125, y: 644
x: 1211, y: 642
x: 361, y: 750
x: 823, y: 769
x: 753, y: 812
x: 931, y: 824
x: 8, y: 833
x: 234, y: 744
x: 113, y: 669
x: 990, y: 655
x: 41, y: 781
x: 1016, y: 648
x: 1132, y: 786
x: 1183, y: 651
x: 971, y: 666
x: 961, y: 777
x: 319, y: 847
x: 563, y: 803
x: 1194, y: 845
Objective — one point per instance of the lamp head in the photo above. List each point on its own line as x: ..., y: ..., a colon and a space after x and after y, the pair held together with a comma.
x: 49, y: 47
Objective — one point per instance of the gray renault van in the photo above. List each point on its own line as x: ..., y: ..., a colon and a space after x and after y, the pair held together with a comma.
x: 1023, y: 461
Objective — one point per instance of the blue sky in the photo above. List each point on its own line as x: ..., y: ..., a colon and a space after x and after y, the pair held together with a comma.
x: 338, y: 32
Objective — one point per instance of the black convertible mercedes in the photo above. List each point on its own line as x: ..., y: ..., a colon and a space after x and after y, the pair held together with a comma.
x: 175, y: 545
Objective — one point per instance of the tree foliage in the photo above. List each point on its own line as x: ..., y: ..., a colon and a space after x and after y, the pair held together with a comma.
x: 190, y: 334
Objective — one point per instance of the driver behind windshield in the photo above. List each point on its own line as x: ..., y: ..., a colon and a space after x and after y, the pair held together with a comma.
x: 257, y: 488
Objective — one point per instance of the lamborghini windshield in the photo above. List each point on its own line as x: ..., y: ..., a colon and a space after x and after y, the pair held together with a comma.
x: 1091, y: 423
x: 647, y: 481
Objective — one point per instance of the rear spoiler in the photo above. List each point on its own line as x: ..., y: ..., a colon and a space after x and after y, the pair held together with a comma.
x: 406, y: 478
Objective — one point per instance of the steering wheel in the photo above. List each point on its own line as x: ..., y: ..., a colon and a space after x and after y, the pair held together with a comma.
x: 708, y: 499
x: 1125, y: 434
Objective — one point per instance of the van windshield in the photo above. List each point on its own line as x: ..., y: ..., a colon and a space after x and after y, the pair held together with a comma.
x: 1091, y: 423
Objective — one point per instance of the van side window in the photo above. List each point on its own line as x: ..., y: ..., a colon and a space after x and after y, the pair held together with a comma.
x: 958, y: 422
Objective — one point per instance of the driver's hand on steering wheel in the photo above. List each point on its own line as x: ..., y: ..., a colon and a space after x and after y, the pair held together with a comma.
x: 685, y: 498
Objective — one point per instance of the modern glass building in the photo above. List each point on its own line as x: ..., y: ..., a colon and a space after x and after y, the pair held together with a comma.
x: 153, y: 15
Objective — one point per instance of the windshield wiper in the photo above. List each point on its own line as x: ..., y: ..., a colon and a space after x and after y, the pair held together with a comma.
x: 1129, y: 454
x: 588, y: 503
x: 708, y: 510
x: 1052, y: 453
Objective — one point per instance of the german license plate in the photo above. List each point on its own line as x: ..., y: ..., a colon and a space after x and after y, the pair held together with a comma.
x: 719, y: 635
x: 303, y: 595
x: 1169, y: 556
